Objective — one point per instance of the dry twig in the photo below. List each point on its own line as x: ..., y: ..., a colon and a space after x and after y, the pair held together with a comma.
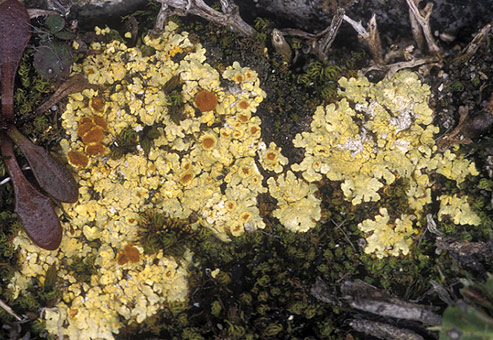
x: 34, y: 12
x: 320, y: 43
x: 329, y: 34
x: 370, y: 36
x: 473, y: 46
x: 392, y: 69
x: 230, y: 15
x: 423, y: 19
x: 364, y: 297
x: 367, y: 298
x: 416, y: 29
x: 9, y: 310
x: 454, y: 137
x: 383, y: 331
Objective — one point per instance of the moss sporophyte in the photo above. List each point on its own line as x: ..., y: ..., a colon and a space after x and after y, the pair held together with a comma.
x: 205, y: 168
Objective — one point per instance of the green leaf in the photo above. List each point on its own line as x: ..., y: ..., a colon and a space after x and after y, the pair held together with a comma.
x: 172, y: 84
x: 146, y: 145
x: 64, y: 35
x: 153, y: 133
x: 55, y: 23
x: 147, y: 136
x: 463, y: 322
x: 53, y: 60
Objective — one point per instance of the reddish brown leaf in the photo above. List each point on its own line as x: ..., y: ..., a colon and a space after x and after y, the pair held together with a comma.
x: 15, y: 33
x: 52, y: 176
x: 34, y: 209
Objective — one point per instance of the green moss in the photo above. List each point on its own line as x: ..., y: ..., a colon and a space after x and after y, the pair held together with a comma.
x: 31, y: 89
x: 321, y: 77
x: 175, y: 100
x: 486, y: 184
x: 27, y: 302
x: 394, y: 196
x: 455, y: 86
x: 407, y: 275
x: 262, y: 275
x: 325, y: 329
x: 83, y: 268
x: 38, y: 326
x: 125, y: 142
x: 272, y: 329
x: 9, y: 227
x: 476, y: 81
x: 191, y: 334
x: 160, y: 232
x: 215, y: 308
x: 261, y: 24
x: 30, y: 304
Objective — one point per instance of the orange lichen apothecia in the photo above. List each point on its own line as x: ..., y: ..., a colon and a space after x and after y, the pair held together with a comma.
x: 94, y: 149
x: 208, y: 141
x: 97, y: 103
x: 243, y: 104
x: 91, y: 131
x: 77, y: 159
x: 186, y: 177
x: 206, y: 101
x: 244, y: 117
x: 129, y: 254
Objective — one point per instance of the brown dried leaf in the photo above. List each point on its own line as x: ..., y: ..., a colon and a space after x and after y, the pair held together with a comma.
x: 74, y: 84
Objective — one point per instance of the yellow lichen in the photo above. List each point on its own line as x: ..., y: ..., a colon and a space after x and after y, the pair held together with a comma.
x: 375, y: 134
x: 298, y: 208
x: 205, y: 165
x: 388, y: 238
x: 455, y: 167
x: 181, y: 175
x: 458, y: 209
x: 387, y: 134
x: 271, y: 157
